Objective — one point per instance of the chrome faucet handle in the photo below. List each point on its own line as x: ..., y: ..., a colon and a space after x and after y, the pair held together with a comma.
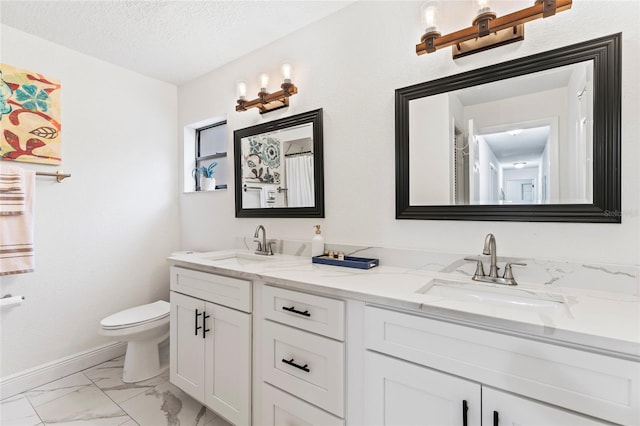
x: 269, y: 247
x: 508, y: 273
x: 479, y: 267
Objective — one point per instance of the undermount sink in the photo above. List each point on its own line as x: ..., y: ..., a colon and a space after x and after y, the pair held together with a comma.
x: 498, y: 295
x: 236, y: 258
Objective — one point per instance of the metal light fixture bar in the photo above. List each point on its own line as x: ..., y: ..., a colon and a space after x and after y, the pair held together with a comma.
x: 267, y: 102
x: 489, y: 31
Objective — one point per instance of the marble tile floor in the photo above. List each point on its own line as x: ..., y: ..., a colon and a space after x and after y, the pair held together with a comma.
x: 98, y: 396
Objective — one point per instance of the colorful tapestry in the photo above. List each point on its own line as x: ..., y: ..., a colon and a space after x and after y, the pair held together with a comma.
x: 30, y: 117
x: 261, y: 160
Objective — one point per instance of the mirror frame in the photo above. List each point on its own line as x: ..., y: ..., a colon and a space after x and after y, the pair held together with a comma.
x: 605, y: 52
x: 314, y: 117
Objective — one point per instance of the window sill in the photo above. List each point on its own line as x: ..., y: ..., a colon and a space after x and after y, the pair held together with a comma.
x: 219, y: 188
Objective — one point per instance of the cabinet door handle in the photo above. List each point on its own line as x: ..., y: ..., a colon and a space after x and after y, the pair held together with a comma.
x: 465, y: 408
x: 496, y: 420
x: 295, y: 311
x: 293, y: 364
x: 204, y: 324
x: 197, y: 326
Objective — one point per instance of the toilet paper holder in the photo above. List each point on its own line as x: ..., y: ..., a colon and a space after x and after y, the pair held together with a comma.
x: 8, y: 300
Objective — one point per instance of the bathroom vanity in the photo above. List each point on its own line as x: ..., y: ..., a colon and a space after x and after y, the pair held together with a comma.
x: 210, y: 335
x: 274, y: 340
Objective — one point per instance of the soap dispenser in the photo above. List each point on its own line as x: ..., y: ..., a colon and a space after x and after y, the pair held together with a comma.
x: 317, y: 243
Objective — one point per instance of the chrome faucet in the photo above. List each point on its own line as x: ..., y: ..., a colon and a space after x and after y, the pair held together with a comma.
x: 490, y: 249
x: 264, y: 245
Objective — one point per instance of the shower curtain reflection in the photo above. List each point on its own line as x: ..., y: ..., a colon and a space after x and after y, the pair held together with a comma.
x: 299, y: 178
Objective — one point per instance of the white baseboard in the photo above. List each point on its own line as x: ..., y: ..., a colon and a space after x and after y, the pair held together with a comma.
x: 45, y: 373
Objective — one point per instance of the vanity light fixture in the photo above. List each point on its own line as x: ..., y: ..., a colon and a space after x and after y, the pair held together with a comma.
x: 487, y: 30
x: 266, y: 101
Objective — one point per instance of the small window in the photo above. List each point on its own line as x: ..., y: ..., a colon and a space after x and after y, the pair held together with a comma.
x: 211, y: 146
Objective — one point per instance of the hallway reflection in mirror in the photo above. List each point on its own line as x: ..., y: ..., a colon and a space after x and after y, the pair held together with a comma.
x: 523, y: 140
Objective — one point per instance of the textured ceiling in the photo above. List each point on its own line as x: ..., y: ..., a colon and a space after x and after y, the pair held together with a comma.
x: 173, y: 41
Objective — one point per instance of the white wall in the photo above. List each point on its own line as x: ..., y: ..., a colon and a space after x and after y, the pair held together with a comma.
x: 580, y: 171
x: 350, y: 64
x: 487, y: 157
x: 430, y: 164
x: 101, y: 236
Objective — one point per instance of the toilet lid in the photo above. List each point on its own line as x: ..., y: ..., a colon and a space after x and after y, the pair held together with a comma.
x: 137, y: 315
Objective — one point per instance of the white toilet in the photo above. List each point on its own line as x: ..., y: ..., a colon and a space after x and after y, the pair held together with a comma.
x: 143, y: 327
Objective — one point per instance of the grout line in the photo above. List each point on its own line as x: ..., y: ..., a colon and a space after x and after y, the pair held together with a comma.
x: 110, y: 399
x: 24, y: 395
x: 92, y: 383
x: 71, y: 389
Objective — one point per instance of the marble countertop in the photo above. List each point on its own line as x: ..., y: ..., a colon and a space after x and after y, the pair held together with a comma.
x: 588, y: 317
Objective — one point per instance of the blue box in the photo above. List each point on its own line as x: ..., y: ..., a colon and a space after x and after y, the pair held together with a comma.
x: 349, y: 262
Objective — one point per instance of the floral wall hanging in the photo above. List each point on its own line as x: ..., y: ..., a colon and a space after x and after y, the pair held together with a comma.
x: 30, y: 117
x: 263, y: 164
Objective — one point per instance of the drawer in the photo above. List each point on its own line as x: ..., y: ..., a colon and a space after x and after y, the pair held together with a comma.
x: 280, y: 408
x: 598, y: 385
x: 226, y: 291
x: 306, y: 365
x: 317, y: 314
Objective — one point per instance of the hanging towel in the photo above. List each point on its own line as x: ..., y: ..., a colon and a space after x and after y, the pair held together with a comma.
x: 268, y: 196
x: 16, y: 232
x: 11, y: 192
x: 251, y: 199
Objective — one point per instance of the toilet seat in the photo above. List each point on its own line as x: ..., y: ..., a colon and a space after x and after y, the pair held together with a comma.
x: 137, y: 316
x: 143, y: 328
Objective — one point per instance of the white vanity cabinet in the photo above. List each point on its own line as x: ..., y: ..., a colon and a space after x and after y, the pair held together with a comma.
x: 303, y: 359
x: 290, y: 353
x: 210, y: 353
x: 523, y: 381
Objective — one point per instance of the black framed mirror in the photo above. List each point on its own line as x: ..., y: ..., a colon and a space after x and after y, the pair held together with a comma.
x: 279, y: 168
x: 533, y: 139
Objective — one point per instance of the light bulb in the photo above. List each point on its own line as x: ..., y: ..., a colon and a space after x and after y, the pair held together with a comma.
x: 264, y: 82
x: 286, y: 73
x: 430, y: 16
x: 483, y: 6
x: 242, y: 90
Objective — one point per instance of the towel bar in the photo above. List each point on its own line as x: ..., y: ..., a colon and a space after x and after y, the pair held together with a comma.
x: 59, y: 175
x: 259, y: 188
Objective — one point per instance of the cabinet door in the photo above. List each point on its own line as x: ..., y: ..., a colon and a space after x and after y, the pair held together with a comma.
x: 500, y: 408
x: 187, y: 345
x: 400, y: 393
x: 227, y: 364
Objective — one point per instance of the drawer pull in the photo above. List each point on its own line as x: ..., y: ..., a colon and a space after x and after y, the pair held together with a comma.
x: 295, y: 311
x: 465, y: 408
x: 293, y: 364
x: 496, y: 420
